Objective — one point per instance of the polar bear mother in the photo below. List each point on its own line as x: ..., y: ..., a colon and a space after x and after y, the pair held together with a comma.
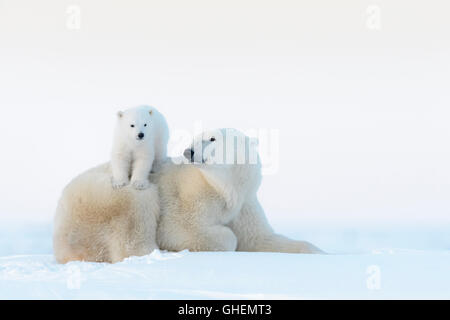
x: 207, y: 205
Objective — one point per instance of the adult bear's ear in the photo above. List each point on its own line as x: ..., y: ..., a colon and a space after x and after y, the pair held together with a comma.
x: 221, y: 180
x: 151, y: 112
x: 120, y: 114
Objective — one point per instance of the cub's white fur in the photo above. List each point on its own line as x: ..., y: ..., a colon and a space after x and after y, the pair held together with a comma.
x: 211, y: 205
x: 140, y: 144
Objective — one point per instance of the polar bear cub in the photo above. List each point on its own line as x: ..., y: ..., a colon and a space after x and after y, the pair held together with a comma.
x: 139, y: 147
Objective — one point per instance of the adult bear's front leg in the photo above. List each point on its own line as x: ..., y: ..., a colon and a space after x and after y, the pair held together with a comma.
x: 255, y: 234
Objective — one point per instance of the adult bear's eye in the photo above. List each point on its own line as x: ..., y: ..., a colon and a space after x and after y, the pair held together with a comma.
x: 212, y: 139
x: 145, y: 125
x: 132, y: 126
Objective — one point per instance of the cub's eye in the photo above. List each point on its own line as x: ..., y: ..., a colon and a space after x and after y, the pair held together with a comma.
x: 132, y: 126
x: 212, y: 139
x: 145, y: 125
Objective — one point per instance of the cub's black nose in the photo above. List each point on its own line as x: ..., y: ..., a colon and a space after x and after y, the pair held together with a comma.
x: 141, y: 135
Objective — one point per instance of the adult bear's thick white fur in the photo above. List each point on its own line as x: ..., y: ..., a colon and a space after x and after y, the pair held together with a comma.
x: 200, y: 207
x: 211, y: 205
x: 95, y: 222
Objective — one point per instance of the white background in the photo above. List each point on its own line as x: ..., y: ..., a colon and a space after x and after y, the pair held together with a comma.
x: 363, y: 113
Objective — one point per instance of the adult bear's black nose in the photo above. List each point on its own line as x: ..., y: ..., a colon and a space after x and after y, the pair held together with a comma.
x: 141, y: 136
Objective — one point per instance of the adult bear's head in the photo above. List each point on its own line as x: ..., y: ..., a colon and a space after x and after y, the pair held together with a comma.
x: 229, y: 161
x: 223, y: 147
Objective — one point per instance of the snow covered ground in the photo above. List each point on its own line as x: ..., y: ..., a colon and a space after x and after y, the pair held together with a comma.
x: 364, y: 263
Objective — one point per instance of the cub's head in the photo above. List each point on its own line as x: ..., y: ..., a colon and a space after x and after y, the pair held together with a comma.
x: 223, y: 147
x: 135, y: 124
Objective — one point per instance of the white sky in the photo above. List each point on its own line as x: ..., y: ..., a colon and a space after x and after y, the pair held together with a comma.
x: 363, y: 115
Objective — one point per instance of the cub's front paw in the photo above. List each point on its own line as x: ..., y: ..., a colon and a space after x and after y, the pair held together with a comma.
x: 119, y: 183
x: 140, y: 184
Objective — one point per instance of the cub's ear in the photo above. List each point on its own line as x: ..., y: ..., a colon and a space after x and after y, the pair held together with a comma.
x: 120, y: 114
x: 151, y: 112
